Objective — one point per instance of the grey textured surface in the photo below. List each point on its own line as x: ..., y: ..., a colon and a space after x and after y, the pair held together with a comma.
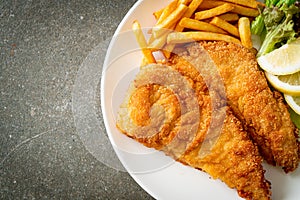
x: 42, y: 47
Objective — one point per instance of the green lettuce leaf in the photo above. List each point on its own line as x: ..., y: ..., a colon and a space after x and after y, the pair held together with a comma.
x: 295, y: 118
x: 279, y: 24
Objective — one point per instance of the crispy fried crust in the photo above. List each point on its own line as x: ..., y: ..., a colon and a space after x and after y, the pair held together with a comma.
x: 220, y: 145
x: 262, y: 111
x: 235, y: 160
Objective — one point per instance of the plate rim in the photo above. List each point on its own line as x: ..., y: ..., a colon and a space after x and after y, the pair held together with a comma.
x: 106, y: 63
x: 102, y: 98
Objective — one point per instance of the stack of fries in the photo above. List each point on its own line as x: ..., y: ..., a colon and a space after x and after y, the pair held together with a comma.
x: 184, y: 21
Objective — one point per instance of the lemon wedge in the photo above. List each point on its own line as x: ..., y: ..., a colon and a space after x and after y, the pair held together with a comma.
x: 289, y: 84
x: 293, y: 102
x: 282, y: 61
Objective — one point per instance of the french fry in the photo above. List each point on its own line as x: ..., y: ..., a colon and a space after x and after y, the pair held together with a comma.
x: 199, y: 25
x: 167, y: 11
x: 158, y: 43
x: 245, y: 32
x: 172, y: 19
x: 185, y: 2
x: 144, y: 62
x: 209, y: 4
x: 208, y: 20
x: 185, y: 37
x: 247, y: 3
x: 167, y: 50
x: 190, y: 11
x: 229, y: 17
x: 225, y: 26
x: 249, y: 12
x: 158, y: 13
x: 136, y: 28
x: 192, y: 8
x: 214, y: 11
x: 242, y: 10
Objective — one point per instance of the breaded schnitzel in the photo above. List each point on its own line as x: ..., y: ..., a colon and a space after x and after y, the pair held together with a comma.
x: 234, y: 160
x: 193, y: 126
x: 262, y: 111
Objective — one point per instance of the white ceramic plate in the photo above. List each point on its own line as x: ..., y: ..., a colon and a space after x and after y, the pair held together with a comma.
x: 156, y: 173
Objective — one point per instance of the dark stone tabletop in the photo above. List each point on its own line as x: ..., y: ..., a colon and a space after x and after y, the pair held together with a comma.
x: 43, y: 47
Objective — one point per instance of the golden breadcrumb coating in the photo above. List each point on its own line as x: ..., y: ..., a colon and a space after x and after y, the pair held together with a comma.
x: 212, y: 140
x: 262, y: 111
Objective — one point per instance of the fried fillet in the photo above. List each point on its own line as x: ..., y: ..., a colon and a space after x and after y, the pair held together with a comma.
x: 234, y: 160
x: 262, y: 111
x: 195, y: 126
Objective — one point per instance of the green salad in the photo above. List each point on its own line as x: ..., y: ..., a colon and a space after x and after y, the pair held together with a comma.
x: 277, y: 24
